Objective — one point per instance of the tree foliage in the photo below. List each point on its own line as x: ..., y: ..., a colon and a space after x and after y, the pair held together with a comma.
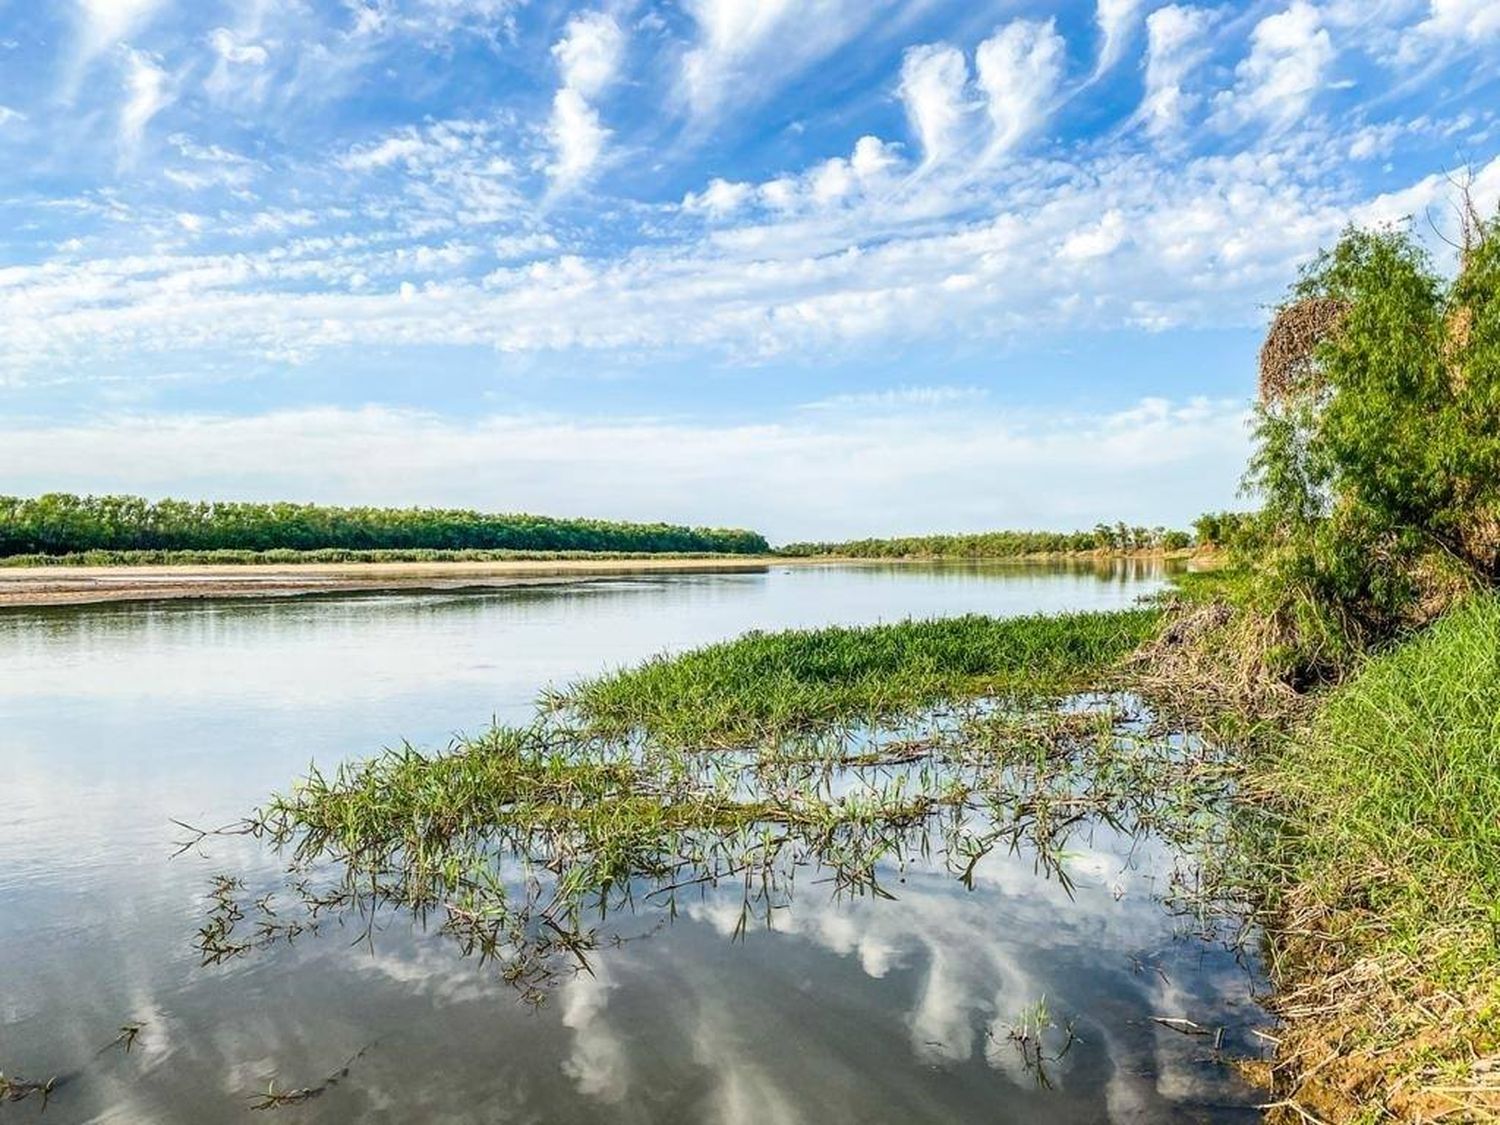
x: 59, y: 523
x: 1003, y: 544
x: 1380, y: 475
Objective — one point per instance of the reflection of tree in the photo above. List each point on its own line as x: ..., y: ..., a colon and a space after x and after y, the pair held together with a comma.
x: 522, y: 844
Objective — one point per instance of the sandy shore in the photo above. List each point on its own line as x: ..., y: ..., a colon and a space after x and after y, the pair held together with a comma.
x: 76, y: 585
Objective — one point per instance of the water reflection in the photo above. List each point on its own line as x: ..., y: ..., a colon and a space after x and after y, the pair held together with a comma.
x: 115, y: 719
x: 922, y: 864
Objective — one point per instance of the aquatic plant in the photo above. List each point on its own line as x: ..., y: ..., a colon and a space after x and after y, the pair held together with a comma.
x: 520, y: 844
x: 17, y: 1089
x: 272, y: 1098
x: 761, y: 687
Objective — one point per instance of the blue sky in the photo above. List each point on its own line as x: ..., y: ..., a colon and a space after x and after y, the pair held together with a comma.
x: 823, y: 267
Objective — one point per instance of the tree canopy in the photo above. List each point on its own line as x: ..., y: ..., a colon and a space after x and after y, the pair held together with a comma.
x: 60, y: 523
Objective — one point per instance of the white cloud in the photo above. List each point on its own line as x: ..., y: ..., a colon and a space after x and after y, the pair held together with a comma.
x: 1210, y: 241
x: 1019, y: 69
x: 882, y: 468
x: 103, y: 24
x: 900, y: 397
x: 719, y: 198
x: 1098, y: 241
x: 231, y: 48
x: 867, y: 172
x: 1469, y: 20
x: 1175, y: 47
x: 598, y: 1061
x: 146, y: 95
x: 589, y: 53
x: 1290, y: 53
x: 588, y: 59
x: 934, y: 81
x: 1117, y: 20
x: 210, y: 166
x: 240, y: 70
x: 8, y: 116
x: 745, y: 49
x: 454, y: 174
x: 577, y: 136
x: 398, y: 149
x: 509, y: 248
x: 431, y: 21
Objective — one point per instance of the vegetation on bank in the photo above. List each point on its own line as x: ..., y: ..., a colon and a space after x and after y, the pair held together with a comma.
x: 1376, y: 849
x: 1111, y: 538
x: 335, y: 555
x: 62, y: 524
x: 1360, y: 616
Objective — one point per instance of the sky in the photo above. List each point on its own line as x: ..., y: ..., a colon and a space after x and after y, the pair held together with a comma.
x: 823, y: 268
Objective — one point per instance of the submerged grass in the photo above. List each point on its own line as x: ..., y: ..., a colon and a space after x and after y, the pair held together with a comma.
x: 764, y: 686
x: 847, y: 751
x: 1376, y: 844
x: 521, y: 842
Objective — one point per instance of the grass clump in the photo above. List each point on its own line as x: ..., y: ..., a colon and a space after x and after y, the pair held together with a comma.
x: 1380, y: 838
x: 768, y: 685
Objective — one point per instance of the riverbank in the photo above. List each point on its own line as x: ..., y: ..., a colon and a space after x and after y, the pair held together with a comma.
x: 79, y: 585
x: 1371, y: 841
x: 69, y: 582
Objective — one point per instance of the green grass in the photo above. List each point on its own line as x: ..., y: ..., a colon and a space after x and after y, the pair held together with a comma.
x: 1379, y: 853
x: 766, y: 685
x: 1398, y: 777
x: 1229, y: 584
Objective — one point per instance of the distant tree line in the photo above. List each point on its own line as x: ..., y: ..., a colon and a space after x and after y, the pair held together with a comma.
x: 60, y: 523
x: 1115, y: 537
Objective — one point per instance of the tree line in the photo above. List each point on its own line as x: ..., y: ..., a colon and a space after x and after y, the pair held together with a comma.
x: 61, y: 523
x: 1004, y: 544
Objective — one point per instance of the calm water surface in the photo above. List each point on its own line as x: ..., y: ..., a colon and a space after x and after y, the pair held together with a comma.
x: 116, y: 719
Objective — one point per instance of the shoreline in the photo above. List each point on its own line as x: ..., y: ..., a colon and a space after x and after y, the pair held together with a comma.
x: 70, y: 584
x: 35, y: 587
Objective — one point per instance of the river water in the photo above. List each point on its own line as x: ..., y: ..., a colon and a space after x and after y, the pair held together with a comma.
x: 115, y: 720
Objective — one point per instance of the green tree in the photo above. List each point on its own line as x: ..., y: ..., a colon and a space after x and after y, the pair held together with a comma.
x: 1378, y: 461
